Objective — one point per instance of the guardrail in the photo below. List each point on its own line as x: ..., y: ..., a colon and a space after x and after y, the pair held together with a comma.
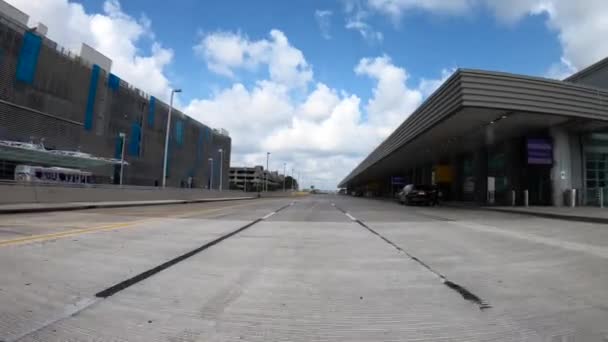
x: 102, y: 186
x: 18, y: 192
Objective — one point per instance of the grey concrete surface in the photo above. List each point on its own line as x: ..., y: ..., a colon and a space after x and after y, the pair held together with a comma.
x: 17, y: 208
x: 307, y: 273
x: 548, y: 276
x: 584, y: 214
x: 27, y: 193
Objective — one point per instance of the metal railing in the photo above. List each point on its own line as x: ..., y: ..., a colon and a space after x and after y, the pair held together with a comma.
x: 9, y: 182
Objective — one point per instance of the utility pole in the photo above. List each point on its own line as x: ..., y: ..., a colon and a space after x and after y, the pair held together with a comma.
x: 210, y: 173
x: 122, y: 154
x: 221, y: 166
x: 173, y: 91
x: 284, y: 175
x: 266, y: 173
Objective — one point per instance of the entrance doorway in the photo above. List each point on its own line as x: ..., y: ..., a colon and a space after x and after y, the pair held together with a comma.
x: 539, y: 185
x: 596, y: 176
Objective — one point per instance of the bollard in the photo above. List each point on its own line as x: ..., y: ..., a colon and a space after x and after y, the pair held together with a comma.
x: 601, y: 197
x: 513, y: 198
x: 573, y: 198
x: 526, y: 199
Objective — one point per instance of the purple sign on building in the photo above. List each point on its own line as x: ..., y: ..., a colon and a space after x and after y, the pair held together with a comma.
x: 540, y: 151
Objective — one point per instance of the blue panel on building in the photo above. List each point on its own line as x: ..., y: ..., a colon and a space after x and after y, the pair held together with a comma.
x: 28, y: 57
x: 151, y: 110
x: 134, y: 139
x: 118, y: 148
x: 179, y: 132
x: 113, y: 82
x: 88, y: 115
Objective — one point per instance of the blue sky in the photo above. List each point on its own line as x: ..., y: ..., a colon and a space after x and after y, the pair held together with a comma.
x: 320, y: 83
x: 423, y: 43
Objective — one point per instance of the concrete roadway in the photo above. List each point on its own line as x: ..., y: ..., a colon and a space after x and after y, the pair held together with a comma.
x: 308, y: 272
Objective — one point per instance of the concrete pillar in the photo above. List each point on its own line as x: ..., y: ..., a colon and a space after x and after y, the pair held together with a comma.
x: 576, y: 157
x: 561, y: 173
x: 457, y: 181
x: 480, y: 173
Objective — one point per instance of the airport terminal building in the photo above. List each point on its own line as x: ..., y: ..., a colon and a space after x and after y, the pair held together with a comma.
x: 53, y: 99
x: 491, y: 137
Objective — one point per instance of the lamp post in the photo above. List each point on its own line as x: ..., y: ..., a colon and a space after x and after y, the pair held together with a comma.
x: 284, y: 175
x: 210, y: 173
x: 292, y: 179
x: 221, y: 166
x: 266, y: 173
x: 173, y: 91
x: 122, y: 154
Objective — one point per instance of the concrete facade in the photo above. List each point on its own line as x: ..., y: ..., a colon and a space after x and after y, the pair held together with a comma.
x: 501, y: 136
x: 68, y: 104
x: 254, y: 179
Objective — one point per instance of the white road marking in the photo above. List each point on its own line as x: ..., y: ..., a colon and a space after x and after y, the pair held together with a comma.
x: 598, y: 251
x: 269, y: 215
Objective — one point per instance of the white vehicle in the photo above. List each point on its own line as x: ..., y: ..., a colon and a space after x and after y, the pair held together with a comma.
x: 42, y: 174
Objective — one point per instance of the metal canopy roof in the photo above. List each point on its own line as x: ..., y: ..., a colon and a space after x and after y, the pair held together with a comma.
x: 471, y: 99
x: 29, y: 153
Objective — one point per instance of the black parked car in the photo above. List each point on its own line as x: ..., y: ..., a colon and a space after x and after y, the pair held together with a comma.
x: 419, y: 194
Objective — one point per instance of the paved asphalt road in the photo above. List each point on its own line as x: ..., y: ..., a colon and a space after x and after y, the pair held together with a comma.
x: 323, y: 268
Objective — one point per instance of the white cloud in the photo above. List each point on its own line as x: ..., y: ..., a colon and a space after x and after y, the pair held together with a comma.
x: 323, y: 18
x: 395, y: 8
x: 227, y: 52
x: 428, y: 86
x: 323, y: 133
x: 392, y: 100
x: 356, y: 19
x: 248, y: 114
x: 113, y: 33
x: 581, y: 26
x: 560, y: 70
x: 365, y: 30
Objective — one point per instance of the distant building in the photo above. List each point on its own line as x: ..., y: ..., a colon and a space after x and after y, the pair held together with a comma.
x: 500, y: 138
x: 254, y: 178
x: 54, y: 99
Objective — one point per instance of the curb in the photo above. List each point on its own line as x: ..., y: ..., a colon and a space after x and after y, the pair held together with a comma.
x: 115, y: 205
x: 575, y: 218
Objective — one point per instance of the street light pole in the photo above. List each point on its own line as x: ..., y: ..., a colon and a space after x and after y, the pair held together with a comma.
x: 122, y: 154
x: 266, y: 173
x: 173, y: 91
x: 210, y: 173
x: 221, y: 166
x: 292, y: 179
x: 284, y: 175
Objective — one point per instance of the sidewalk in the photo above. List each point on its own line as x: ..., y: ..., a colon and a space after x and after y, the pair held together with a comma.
x: 45, y: 207
x: 580, y: 214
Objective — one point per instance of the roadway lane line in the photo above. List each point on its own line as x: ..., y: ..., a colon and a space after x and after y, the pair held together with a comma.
x: 146, y: 274
x: 351, y: 217
x: 268, y: 215
x: 466, y: 294
x: 68, y: 233
x: 120, y: 225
